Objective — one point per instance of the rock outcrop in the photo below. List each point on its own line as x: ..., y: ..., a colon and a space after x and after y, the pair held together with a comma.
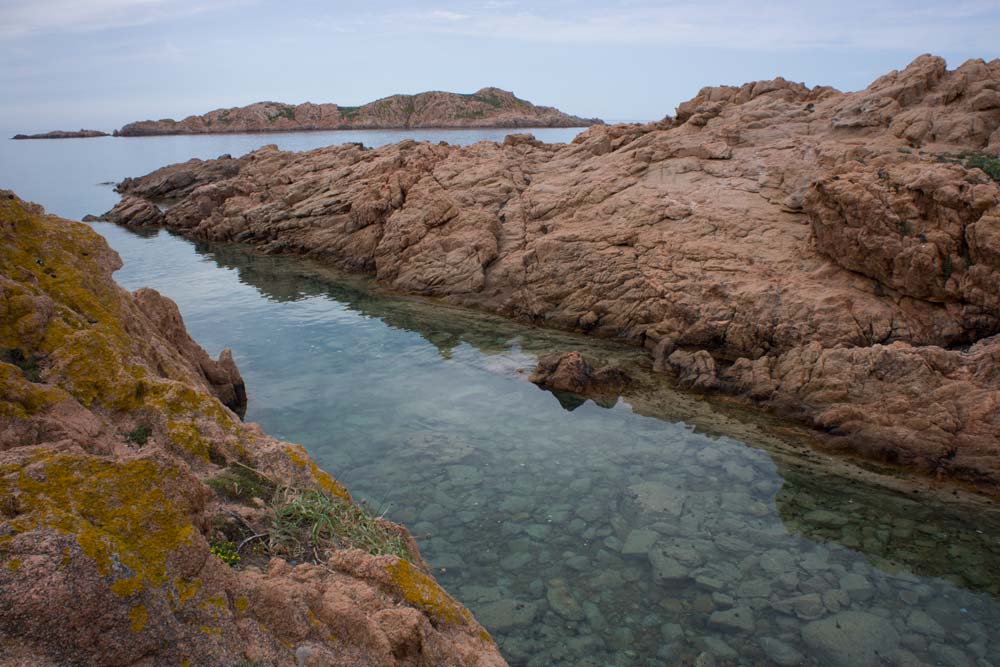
x: 831, y: 255
x: 489, y: 107
x: 572, y: 372
x: 138, y: 516
x: 64, y: 134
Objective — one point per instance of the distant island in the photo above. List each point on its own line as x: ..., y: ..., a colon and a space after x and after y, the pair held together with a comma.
x: 489, y: 107
x: 63, y: 134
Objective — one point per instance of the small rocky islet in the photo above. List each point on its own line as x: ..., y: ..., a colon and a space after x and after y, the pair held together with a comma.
x: 832, y: 257
x: 485, y: 108
x: 63, y: 134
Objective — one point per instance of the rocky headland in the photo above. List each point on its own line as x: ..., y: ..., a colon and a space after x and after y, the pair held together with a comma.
x: 63, y: 134
x: 489, y: 107
x: 831, y: 256
x: 142, y: 522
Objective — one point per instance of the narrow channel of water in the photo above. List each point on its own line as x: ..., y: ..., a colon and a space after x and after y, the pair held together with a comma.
x: 661, y: 531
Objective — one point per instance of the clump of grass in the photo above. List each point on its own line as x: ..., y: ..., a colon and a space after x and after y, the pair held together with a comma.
x: 139, y: 435
x: 226, y: 551
x: 308, y: 522
x: 242, y: 484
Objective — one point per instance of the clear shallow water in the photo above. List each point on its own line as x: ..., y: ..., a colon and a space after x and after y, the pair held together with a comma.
x: 589, y: 536
x: 661, y: 531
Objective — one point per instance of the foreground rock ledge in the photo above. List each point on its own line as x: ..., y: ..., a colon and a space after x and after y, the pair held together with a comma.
x: 111, y: 423
x: 831, y: 255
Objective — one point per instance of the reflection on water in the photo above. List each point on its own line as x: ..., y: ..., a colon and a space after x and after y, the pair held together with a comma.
x: 648, y: 533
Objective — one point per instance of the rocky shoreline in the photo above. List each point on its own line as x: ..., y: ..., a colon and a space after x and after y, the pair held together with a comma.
x: 142, y: 522
x: 486, y: 108
x: 831, y: 256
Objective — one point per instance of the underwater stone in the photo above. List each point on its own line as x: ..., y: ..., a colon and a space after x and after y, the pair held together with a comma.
x: 857, y: 586
x: 852, y: 639
x: 808, y: 607
x: 666, y: 568
x: 562, y: 602
x: 920, y: 622
x: 506, y: 614
x: 739, y: 619
x: 780, y: 652
x: 638, y: 542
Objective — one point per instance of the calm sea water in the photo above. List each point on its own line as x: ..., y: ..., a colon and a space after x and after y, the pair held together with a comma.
x: 661, y: 531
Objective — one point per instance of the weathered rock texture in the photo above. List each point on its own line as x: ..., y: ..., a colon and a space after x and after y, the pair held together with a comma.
x: 111, y: 421
x: 63, y: 134
x: 489, y: 107
x: 824, y: 253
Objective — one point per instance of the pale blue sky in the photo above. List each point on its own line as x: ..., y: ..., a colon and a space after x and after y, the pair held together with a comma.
x: 101, y: 63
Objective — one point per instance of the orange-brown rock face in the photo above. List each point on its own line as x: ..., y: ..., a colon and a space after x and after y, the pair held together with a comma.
x: 813, y: 244
x: 489, y: 107
x: 115, y: 446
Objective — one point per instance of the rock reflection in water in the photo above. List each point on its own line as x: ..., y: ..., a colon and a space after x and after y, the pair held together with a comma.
x: 663, y: 530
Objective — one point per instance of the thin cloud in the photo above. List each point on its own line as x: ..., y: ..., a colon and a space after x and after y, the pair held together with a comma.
x: 24, y: 18
x: 783, y: 25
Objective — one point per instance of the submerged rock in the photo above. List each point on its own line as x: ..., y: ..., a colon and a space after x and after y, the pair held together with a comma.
x: 852, y: 639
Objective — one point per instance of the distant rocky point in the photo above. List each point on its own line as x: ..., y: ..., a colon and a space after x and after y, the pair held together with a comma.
x: 489, y: 107
x: 63, y: 134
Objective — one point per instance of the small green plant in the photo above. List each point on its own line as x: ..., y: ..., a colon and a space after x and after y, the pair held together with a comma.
x: 241, y: 483
x: 991, y: 165
x: 308, y: 522
x: 226, y: 551
x: 26, y: 362
x: 139, y: 435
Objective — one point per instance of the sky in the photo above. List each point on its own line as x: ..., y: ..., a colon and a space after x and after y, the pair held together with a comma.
x: 67, y: 64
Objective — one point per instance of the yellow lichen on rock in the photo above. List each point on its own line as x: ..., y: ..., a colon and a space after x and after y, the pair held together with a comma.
x: 323, y: 480
x: 420, y: 590
x: 120, y: 512
x: 138, y: 617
